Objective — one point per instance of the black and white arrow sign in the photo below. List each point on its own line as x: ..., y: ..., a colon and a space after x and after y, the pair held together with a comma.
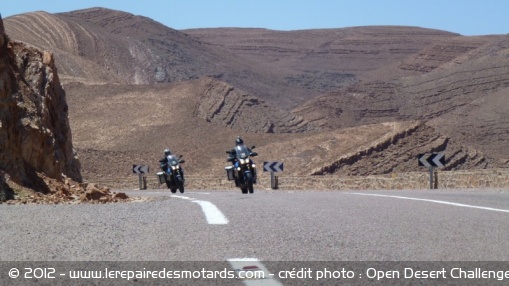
x: 140, y: 169
x: 432, y: 160
x: 273, y: 166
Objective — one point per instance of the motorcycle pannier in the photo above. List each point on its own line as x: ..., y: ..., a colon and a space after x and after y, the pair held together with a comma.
x: 162, y: 177
x: 229, y: 172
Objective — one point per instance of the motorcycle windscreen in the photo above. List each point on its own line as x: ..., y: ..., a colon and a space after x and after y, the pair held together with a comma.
x: 242, y: 152
x: 172, y: 160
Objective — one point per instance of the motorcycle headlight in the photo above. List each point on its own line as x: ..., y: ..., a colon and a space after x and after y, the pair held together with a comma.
x: 244, y: 161
x: 174, y: 167
x: 253, y: 166
x: 238, y: 169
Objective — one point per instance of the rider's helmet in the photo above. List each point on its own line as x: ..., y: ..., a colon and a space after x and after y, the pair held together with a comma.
x: 167, y: 152
x: 239, y: 141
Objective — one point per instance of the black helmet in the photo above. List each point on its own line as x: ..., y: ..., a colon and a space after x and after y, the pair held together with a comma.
x: 239, y: 141
x: 167, y: 152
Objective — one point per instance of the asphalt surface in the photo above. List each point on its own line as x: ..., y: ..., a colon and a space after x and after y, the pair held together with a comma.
x: 413, y: 225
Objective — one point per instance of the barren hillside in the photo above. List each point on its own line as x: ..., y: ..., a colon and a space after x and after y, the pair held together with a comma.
x: 325, y: 59
x: 199, y: 119
x: 474, y: 78
x: 118, y: 126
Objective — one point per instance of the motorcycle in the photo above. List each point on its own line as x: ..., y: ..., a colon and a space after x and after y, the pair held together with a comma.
x: 173, y: 175
x: 243, y: 169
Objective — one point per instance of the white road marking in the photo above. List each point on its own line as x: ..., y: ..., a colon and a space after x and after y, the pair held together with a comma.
x: 435, y: 201
x: 212, y: 213
x: 183, y: 197
x: 251, y: 268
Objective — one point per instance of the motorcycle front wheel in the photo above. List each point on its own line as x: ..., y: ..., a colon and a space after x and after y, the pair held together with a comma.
x: 180, y: 183
x: 249, y: 181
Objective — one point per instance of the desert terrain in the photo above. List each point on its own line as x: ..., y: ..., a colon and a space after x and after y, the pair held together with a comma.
x: 338, y: 102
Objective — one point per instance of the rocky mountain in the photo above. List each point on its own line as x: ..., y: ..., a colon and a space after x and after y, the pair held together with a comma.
x: 100, y: 45
x: 350, y: 101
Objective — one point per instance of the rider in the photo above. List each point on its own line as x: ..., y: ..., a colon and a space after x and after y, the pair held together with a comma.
x: 232, y: 157
x: 164, y: 162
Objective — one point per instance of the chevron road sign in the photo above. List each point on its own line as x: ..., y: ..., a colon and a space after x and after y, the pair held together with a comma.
x: 140, y: 169
x: 432, y: 160
x: 273, y: 166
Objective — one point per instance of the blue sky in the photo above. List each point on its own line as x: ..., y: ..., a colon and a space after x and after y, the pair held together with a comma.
x: 467, y: 17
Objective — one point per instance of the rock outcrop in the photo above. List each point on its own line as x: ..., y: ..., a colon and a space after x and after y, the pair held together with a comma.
x: 222, y: 104
x: 35, y: 137
x: 398, y: 153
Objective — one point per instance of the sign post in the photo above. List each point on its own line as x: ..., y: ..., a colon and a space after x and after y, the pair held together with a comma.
x: 141, y: 170
x: 431, y: 171
x: 273, y: 167
x: 431, y: 161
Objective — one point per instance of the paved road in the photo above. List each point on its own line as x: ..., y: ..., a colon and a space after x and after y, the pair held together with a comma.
x: 450, y: 225
x: 400, y: 225
x: 275, y: 225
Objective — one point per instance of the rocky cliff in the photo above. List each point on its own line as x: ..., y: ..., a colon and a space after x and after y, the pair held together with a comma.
x: 35, y: 137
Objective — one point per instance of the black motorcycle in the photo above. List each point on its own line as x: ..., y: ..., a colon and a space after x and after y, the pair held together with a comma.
x: 243, y: 169
x: 173, y: 174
